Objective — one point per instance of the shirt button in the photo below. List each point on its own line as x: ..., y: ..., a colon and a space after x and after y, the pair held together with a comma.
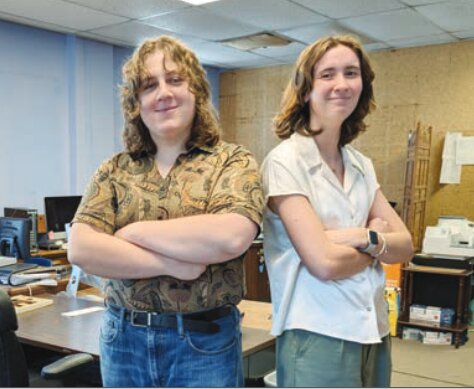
x: 369, y: 309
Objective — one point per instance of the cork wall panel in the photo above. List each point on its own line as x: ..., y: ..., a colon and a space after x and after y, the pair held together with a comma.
x: 433, y: 85
x: 249, y: 99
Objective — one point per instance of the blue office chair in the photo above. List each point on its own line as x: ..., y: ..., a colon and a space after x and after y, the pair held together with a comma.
x: 13, y: 366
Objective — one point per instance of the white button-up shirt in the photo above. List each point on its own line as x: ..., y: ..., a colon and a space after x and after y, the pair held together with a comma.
x: 354, y: 308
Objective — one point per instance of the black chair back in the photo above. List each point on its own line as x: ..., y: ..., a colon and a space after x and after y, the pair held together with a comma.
x: 13, y: 368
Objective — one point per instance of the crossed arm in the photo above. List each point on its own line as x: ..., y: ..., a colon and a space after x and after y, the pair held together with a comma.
x: 179, y: 247
x: 333, y: 255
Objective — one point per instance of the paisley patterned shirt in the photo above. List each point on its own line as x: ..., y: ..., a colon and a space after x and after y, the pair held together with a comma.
x: 205, y: 180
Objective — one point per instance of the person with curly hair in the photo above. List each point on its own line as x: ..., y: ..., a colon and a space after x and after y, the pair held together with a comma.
x: 167, y: 222
x: 327, y: 226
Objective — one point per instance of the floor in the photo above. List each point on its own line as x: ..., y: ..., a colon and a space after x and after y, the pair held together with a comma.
x: 424, y: 365
x: 414, y: 365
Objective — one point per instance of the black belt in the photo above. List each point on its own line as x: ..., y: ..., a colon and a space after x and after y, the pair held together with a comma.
x: 201, y: 321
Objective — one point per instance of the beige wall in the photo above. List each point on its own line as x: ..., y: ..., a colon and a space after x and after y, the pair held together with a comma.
x: 433, y: 85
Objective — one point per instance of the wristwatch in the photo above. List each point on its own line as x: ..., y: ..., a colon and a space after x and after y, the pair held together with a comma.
x: 373, y: 242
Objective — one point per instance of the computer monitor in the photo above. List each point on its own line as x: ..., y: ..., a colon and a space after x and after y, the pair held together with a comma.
x: 59, y: 211
x: 26, y: 213
x: 15, y: 237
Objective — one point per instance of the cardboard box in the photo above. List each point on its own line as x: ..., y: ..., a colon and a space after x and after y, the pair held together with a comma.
x: 411, y: 333
x: 425, y: 314
x: 434, y: 337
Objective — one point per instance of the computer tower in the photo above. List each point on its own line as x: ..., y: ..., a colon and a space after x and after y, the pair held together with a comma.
x: 26, y: 213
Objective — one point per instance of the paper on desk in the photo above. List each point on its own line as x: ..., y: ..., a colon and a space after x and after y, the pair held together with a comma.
x: 450, y: 171
x: 84, y: 311
x: 464, y: 150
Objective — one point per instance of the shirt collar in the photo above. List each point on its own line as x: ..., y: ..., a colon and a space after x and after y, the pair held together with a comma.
x: 349, y: 155
x: 205, y: 148
x: 309, y: 150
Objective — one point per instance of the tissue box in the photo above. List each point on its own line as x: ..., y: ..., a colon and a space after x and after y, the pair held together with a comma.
x: 425, y: 314
x: 411, y: 333
x: 447, y: 317
x: 433, y: 337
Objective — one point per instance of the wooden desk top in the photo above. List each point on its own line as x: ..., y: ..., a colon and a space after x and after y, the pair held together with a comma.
x: 437, y: 270
x: 47, y: 328
x: 50, y: 253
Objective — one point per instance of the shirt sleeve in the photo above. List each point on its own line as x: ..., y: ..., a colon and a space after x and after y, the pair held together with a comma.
x: 279, y: 178
x: 238, y: 188
x: 97, y: 207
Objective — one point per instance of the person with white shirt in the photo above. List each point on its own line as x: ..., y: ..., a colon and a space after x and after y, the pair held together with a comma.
x: 327, y: 226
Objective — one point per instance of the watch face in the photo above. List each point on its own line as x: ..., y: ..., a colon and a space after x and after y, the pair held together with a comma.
x: 373, y: 237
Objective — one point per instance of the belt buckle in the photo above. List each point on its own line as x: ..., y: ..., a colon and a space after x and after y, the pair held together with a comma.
x: 133, y: 316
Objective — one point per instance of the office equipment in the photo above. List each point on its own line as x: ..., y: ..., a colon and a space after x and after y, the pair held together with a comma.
x: 15, y: 237
x: 51, y: 244
x: 59, y: 211
x: 13, y: 367
x: 446, y: 262
x: 26, y: 213
x: 453, y: 237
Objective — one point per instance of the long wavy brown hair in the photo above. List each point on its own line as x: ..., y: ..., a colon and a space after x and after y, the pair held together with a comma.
x: 294, y: 113
x: 136, y: 135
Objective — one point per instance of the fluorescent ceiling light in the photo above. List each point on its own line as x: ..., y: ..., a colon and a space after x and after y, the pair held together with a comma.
x: 256, y: 41
x: 199, y: 2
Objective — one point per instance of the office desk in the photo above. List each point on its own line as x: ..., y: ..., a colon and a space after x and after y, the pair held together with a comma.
x: 59, y: 257
x: 47, y: 328
x: 35, y: 289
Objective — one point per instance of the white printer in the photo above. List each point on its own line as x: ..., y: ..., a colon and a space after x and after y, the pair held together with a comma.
x: 453, y: 237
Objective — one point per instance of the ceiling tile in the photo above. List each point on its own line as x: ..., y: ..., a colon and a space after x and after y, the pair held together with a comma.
x: 454, y: 15
x: 398, y: 24
x: 309, y: 34
x: 376, y: 46
x: 202, y: 24
x: 217, y: 52
x: 347, y: 8
x: 36, y: 23
x: 293, y: 49
x: 130, y: 32
x: 283, y: 14
x: 134, y: 9
x: 437, y: 39
x: 420, y: 2
x: 60, y: 13
x: 102, y: 38
x: 466, y: 34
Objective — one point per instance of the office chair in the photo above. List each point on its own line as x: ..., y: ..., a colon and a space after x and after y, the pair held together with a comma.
x: 13, y: 367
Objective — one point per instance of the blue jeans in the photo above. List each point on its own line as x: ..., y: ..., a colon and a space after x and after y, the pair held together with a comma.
x: 133, y: 356
x: 308, y: 359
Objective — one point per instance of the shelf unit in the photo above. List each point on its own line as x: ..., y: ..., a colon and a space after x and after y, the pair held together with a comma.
x: 436, y: 286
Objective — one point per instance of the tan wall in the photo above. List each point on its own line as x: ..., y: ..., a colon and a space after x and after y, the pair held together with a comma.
x: 432, y: 84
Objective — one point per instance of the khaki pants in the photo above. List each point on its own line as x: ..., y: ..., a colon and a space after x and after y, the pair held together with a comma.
x: 307, y: 359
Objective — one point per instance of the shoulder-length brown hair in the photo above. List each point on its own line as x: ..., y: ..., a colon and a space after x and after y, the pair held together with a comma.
x: 294, y: 111
x: 136, y: 135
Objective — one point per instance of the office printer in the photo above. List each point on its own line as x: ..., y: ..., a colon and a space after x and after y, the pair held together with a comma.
x: 453, y: 237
